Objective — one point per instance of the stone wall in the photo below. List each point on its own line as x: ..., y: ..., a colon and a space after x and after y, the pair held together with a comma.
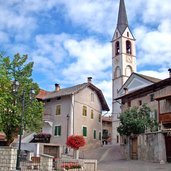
x: 8, y: 156
x: 151, y: 147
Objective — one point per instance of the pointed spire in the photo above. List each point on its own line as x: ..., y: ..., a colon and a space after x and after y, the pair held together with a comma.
x: 122, y: 17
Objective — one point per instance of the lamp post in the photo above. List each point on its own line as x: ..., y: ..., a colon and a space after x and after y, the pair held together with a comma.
x: 66, y: 150
x: 15, y: 88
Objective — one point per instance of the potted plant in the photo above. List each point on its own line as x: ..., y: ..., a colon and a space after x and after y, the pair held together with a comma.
x: 75, y: 142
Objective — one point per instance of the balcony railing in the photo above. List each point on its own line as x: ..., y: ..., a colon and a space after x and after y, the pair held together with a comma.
x: 165, y: 117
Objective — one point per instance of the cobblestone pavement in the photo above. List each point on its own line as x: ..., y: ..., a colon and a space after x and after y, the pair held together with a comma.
x: 110, y: 158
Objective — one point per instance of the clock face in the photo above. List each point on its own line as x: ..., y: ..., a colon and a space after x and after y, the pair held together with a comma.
x: 129, y: 59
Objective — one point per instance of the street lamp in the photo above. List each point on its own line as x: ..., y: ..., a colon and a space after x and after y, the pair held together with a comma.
x: 15, y: 88
x: 66, y: 150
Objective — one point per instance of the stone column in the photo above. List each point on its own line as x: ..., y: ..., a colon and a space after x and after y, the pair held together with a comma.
x: 161, y: 147
x: 46, y: 162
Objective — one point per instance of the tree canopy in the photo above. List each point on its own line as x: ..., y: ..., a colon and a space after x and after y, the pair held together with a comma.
x: 136, y: 120
x: 17, y: 68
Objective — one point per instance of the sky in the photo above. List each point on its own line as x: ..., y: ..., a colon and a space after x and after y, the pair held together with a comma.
x: 70, y: 40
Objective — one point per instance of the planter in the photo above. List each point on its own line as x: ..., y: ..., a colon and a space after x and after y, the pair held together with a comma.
x: 79, y: 169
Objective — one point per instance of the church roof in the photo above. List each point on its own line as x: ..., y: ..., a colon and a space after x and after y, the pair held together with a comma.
x: 122, y: 18
x: 152, y: 79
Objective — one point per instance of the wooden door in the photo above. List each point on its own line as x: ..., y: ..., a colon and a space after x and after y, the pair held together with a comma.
x: 168, y: 146
x: 134, y: 149
x: 51, y: 150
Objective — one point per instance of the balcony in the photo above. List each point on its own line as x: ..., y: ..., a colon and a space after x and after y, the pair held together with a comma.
x: 165, y: 118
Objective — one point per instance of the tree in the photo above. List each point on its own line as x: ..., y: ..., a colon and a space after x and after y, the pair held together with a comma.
x: 18, y: 69
x: 136, y: 120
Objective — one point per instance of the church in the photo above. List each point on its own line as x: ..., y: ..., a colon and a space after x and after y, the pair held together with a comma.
x: 130, y: 89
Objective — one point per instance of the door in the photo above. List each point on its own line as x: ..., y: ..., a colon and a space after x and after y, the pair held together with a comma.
x: 134, y: 149
x: 168, y: 146
x: 51, y: 150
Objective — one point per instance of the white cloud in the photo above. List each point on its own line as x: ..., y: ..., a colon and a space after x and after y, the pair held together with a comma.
x: 96, y: 15
x: 106, y: 87
x: 92, y: 58
x: 161, y: 74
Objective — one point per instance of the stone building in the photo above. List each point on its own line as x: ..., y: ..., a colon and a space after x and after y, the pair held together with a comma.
x: 154, y: 146
x: 74, y: 111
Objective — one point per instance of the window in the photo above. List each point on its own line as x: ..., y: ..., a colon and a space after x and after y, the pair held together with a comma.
x: 127, y: 34
x: 84, y: 111
x: 140, y: 102
x: 151, y: 97
x: 58, y: 98
x: 58, y: 109
x: 48, y: 100
x: 117, y: 48
x: 128, y: 47
x: 92, y: 114
x: 57, y: 130
x: 84, y: 131
x: 94, y: 134
x: 99, y: 117
x: 100, y: 135
x: 129, y: 104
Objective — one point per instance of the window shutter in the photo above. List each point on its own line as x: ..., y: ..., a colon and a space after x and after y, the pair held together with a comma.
x: 84, y: 131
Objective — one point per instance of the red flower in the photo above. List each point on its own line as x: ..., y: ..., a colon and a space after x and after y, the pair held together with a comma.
x: 75, y: 141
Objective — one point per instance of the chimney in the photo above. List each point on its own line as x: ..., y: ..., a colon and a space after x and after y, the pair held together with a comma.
x: 57, y: 87
x: 89, y: 79
x: 169, y: 72
x: 126, y: 90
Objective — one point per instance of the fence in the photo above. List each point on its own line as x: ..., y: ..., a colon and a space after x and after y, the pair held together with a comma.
x: 85, y: 165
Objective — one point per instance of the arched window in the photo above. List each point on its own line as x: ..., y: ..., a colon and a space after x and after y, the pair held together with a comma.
x: 128, y: 47
x: 117, y: 48
x: 128, y: 71
x: 117, y: 72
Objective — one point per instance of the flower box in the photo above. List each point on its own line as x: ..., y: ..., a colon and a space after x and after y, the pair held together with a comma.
x: 72, y: 167
x: 79, y: 169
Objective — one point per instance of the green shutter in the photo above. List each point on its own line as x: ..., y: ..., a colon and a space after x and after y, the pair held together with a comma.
x: 100, y: 136
x: 56, y: 130
x: 59, y: 130
x: 94, y: 134
x: 84, y: 131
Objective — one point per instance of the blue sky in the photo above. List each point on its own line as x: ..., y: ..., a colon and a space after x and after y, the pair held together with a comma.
x: 69, y: 40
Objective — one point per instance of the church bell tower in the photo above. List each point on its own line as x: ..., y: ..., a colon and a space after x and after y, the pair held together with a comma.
x: 123, y: 63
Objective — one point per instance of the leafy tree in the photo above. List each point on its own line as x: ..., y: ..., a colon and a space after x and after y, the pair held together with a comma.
x: 18, y: 69
x: 136, y: 120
